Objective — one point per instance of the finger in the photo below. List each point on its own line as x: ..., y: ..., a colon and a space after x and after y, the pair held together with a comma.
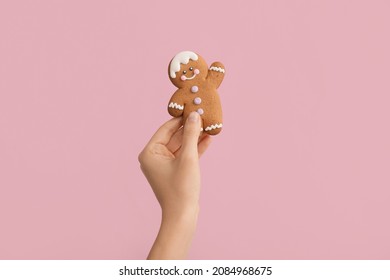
x: 175, y: 142
x: 202, y: 136
x: 204, y: 144
x: 177, y: 152
x: 191, y: 132
x: 166, y: 131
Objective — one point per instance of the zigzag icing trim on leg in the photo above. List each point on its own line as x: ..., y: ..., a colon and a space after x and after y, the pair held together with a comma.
x: 213, y: 126
x: 176, y: 106
x: 218, y: 69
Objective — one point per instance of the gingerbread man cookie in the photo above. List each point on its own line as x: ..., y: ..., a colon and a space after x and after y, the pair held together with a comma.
x: 197, y: 89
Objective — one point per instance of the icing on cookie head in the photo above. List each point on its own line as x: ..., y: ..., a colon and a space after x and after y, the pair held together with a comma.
x: 186, y: 68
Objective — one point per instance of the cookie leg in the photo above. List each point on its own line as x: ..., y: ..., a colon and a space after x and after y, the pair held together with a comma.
x: 212, y: 127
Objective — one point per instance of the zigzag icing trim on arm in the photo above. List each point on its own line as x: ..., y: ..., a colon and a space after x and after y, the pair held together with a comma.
x: 218, y: 69
x: 214, y: 126
x: 176, y: 106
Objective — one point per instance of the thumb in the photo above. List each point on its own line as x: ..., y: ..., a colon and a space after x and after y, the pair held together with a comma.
x: 191, y: 134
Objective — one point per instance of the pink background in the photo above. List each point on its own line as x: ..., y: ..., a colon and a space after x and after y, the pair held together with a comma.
x: 300, y: 171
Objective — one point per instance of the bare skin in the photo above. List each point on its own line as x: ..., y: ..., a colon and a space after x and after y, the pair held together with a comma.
x: 170, y: 163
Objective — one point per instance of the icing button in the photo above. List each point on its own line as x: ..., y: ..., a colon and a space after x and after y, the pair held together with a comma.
x: 197, y: 100
x: 200, y: 111
x: 194, y: 89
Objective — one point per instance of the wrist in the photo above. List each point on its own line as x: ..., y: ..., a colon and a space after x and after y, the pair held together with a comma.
x: 185, y: 214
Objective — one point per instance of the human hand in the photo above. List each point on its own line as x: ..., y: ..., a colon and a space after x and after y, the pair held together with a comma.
x: 170, y: 162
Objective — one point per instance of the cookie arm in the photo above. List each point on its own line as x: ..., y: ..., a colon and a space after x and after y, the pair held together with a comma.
x: 216, y: 73
x: 176, y: 105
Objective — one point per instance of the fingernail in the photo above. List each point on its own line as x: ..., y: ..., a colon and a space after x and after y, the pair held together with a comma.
x: 193, y: 117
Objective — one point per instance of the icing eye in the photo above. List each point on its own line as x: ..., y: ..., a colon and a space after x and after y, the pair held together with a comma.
x: 184, y: 72
x: 191, y: 68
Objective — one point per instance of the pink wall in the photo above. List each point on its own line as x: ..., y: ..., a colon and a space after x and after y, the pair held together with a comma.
x: 300, y: 171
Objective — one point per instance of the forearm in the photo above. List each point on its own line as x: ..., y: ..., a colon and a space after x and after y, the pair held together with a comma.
x: 175, y: 236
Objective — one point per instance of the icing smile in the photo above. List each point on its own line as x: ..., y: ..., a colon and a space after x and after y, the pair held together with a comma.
x: 184, y: 77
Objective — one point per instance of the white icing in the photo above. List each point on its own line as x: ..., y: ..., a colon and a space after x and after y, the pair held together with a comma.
x: 214, y: 126
x: 180, y: 58
x: 218, y: 69
x: 193, y: 76
x: 176, y: 106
